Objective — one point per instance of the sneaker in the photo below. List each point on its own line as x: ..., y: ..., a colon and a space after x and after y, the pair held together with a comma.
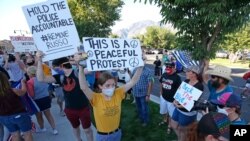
x: 162, y: 123
x: 55, y: 132
x: 62, y: 113
x: 39, y: 130
x: 133, y: 102
x: 243, y: 97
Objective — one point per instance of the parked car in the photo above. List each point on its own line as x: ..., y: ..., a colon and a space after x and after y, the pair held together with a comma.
x: 221, y: 54
x: 152, y: 51
x: 149, y: 52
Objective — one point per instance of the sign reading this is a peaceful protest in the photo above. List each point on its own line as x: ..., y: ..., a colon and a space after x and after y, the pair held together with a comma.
x: 186, y: 95
x: 23, y: 43
x: 53, y: 28
x: 111, y: 53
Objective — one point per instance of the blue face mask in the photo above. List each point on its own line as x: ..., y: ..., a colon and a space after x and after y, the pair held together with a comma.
x: 59, y: 71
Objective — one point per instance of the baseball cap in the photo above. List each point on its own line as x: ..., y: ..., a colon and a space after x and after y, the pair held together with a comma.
x: 214, y: 123
x: 59, y: 61
x: 193, y: 68
x: 228, y: 100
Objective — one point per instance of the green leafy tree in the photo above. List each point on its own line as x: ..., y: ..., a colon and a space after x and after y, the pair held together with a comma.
x: 239, y: 40
x: 201, y: 24
x: 114, y: 36
x: 93, y: 18
x: 157, y: 37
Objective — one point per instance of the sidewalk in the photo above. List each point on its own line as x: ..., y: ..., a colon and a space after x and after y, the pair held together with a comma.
x: 62, y: 125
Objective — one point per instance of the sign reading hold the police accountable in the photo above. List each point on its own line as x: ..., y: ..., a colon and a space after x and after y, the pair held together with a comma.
x: 23, y: 43
x: 186, y: 95
x: 112, y: 53
x: 53, y: 28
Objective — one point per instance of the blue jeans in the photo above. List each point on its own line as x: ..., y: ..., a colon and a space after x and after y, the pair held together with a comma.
x: 111, y: 137
x: 1, y: 132
x: 142, y: 108
x: 17, y: 122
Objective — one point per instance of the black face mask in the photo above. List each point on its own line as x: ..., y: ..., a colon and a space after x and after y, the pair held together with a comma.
x: 216, y: 84
x: 31, y: 63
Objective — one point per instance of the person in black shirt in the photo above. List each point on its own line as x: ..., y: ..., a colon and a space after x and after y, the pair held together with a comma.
x: 77, y: 107
x: 157, y: 64
x: 170, y: 82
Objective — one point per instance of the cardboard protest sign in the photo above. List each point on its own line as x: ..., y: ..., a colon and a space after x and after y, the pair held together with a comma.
x: 53, y: 28
x: 23, y: 43
x: 111, y: 53
x: 186, y: 95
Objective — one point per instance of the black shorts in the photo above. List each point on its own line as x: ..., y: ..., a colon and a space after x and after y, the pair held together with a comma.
x: 43, y: 103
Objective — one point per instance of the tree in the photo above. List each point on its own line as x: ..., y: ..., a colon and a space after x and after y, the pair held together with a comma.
x: 201, y: 24
x: 157, y: 37
x: 93, y: 18
x: 114, y: 36
x: 238, y: 40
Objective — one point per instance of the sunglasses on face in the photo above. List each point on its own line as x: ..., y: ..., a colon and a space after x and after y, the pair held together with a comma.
x: 214, y: 76
x: 221, y: 106
x: 169, y: 67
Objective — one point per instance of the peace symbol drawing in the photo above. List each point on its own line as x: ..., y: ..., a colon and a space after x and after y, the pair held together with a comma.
x: 90, y: 53
x: 134, y: 43
x: 134, y: 62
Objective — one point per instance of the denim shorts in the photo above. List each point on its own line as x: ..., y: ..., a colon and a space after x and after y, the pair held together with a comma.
x: 17, y: 122
x: 183, y: 119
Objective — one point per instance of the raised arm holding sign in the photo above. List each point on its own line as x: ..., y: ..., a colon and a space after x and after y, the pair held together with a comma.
x: 107, y: 102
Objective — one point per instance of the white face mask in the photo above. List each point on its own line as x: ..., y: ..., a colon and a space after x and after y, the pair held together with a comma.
x: 108, y: 92
x: 222, y: 110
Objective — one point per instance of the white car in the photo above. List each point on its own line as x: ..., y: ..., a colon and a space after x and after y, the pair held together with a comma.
x: 221, y: 54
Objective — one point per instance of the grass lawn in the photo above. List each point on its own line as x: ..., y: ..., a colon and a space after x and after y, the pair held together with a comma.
x: 132, y: 130
x: 226, y: 62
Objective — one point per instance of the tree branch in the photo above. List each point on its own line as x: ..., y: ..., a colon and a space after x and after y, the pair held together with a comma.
x: 212, y: 39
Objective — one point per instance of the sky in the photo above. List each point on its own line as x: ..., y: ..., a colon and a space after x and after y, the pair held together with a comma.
x: 12, y: 17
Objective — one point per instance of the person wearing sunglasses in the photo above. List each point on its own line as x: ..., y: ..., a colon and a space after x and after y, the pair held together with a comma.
x: 170, y: 82
x: 220, y: 76
x: 230, y: 104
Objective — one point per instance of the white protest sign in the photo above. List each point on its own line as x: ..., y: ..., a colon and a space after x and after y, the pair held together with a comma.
x: 186, y: 95
x: 53, y: 28
x: 23, y: 43
x: 112, y: 53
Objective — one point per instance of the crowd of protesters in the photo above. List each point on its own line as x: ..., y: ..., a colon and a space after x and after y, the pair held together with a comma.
x: 78, y: 91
